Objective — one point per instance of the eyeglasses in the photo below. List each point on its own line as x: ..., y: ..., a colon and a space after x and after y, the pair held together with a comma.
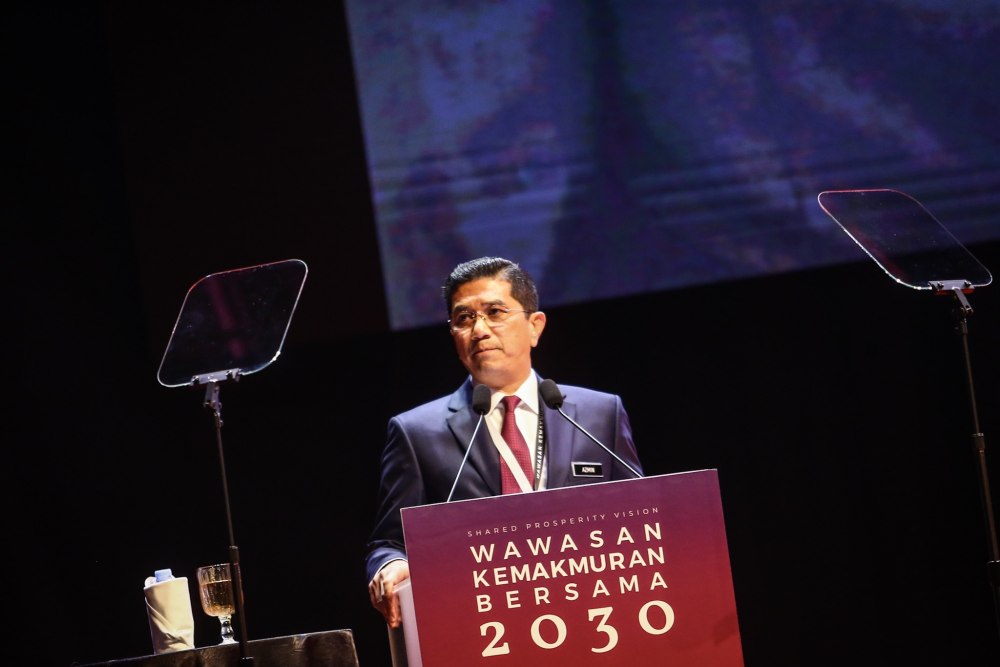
x: 495, y: 316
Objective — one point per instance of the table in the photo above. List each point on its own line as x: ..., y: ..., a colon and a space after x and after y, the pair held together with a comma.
x: 333, y: 648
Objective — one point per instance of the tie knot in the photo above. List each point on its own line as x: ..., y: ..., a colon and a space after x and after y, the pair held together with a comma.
x: 510, y: 402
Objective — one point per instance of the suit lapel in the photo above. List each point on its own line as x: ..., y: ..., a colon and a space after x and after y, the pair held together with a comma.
x: 483, y: 459
x: 560, y: 437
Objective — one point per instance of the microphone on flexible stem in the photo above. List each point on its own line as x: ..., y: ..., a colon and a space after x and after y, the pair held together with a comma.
x: 553, y: 398
x: 480, y: 405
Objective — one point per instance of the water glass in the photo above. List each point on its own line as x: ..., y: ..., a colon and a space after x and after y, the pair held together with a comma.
x: 215, y: 588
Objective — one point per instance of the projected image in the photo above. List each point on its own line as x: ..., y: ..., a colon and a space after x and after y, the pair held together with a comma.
x: 614, y: 148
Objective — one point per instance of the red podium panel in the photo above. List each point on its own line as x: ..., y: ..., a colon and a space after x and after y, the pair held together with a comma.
x: 633, y: 572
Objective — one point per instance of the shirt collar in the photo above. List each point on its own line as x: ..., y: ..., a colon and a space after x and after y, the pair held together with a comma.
x: 527, y: 392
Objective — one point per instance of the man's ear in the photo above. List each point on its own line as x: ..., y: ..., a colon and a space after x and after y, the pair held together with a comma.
x: 536, y: 322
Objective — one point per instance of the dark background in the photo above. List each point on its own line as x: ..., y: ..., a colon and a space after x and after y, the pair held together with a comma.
x: 152, y: 146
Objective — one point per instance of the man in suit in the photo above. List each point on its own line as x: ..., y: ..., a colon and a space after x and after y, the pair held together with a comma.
x: 495, y: 323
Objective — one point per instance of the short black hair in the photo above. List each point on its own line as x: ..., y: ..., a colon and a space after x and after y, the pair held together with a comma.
x: 522, y: 286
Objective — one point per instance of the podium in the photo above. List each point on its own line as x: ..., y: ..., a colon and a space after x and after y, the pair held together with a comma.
x: 627, y: 572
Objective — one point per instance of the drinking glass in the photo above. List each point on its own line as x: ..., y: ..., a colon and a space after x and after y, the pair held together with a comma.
x: 215, y: 588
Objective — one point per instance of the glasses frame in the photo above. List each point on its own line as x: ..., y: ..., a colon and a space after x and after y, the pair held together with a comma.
x: 479, y: 315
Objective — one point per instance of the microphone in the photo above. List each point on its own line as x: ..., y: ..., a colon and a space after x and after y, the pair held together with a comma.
x: 480, y: 405
x: 553, y: 398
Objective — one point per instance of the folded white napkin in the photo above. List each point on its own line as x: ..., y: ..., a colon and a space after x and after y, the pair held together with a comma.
x: 168, y: 605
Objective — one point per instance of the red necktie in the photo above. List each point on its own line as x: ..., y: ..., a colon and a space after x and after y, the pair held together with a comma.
x: 512, y: 436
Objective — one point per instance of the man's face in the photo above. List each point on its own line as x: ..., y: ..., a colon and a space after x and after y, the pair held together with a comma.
x: 497, y: 355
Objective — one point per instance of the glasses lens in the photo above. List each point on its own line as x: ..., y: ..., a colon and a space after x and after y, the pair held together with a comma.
x: 496, y: 315
x: 463, y: 321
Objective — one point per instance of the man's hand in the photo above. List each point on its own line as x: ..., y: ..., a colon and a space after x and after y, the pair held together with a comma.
x: 382, y: 591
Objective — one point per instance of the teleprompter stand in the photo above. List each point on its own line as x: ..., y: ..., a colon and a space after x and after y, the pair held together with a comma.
x: 232, y: 324
x: 916, y: 251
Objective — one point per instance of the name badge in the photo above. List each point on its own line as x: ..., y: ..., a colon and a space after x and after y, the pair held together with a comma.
x: 581, y: 469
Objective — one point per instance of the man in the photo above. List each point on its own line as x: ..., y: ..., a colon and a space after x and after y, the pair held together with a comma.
x: 495, y: 323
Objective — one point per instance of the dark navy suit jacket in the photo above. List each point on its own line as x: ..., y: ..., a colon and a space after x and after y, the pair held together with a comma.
x: 425, y: 447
